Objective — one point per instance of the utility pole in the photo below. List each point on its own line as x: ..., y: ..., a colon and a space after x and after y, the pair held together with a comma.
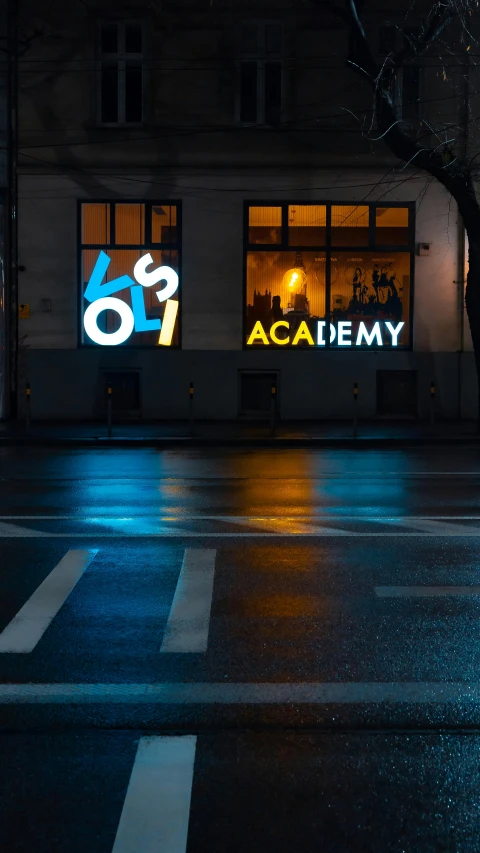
x: 11, y: 266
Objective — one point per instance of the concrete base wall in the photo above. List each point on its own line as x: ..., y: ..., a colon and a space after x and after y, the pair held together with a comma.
x: 68, y: 384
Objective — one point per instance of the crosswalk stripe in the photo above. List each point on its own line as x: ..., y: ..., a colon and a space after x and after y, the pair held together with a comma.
x: 189, y: 620
x: 156, y: 810
x: 26, y: 629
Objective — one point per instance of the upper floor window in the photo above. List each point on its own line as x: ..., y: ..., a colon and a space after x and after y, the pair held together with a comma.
x: 404, y: 82
x: 121, y: 72
x: 260, y: 73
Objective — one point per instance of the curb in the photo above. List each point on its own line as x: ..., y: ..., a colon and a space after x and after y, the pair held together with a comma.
x: 268, y: 442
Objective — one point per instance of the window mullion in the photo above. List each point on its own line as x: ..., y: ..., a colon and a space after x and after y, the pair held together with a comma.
x: 121, y: 91
x: 260, y: 91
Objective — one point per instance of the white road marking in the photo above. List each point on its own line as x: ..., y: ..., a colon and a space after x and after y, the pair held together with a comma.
x: 218, y: 534
x: 189, y: 619
x: 26, y: 629
x: 440, y: 527
x: 156, y: 810
x: 11, y: 530
x: 234, y: 519
x: 288, y: 524
x: 424, y: 591
x: 213, y: 693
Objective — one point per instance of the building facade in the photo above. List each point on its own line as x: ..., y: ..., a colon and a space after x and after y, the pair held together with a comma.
x: 202, y: 199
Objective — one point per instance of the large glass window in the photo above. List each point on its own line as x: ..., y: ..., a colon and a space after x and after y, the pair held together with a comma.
x: 129, y: 261
x: 328, y: 275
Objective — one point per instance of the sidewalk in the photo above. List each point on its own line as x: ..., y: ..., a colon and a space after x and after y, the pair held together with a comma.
x: 377, y: 433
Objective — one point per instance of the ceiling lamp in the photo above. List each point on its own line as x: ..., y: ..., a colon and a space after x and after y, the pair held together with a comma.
x: 295, y: 279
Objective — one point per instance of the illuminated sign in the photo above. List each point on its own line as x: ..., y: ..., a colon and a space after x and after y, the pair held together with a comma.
x: 280, y: 333
x: 132, y: 318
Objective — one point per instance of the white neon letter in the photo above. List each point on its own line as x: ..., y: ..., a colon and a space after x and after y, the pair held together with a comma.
x: 344, y: 331
x: 320, y: 333
x: 394, y: 332
x: 369, y: 336
x: 108, y: 303
x: 148, y: 279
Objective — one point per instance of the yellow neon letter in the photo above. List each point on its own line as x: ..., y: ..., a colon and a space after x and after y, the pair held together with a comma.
x: 274, y: 329
x: 168, y: 322
x: 303, y: 334
x: 258, y: 334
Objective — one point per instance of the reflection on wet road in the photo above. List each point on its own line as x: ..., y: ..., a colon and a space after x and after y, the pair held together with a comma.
x: 240, y: 650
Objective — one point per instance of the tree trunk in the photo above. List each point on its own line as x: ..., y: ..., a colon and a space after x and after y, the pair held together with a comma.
x: 472, y: 302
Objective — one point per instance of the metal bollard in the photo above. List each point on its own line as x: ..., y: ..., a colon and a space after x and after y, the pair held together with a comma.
x: 28, y: 418
x: 190, y: 409
x: 109, y: 410
x: 432, y: 402
x: 273, y: 407
x: 355, y: 411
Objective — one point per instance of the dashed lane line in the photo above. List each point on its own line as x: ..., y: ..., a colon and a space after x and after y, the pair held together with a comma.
x: 156, y: 809
x: 188, y: 623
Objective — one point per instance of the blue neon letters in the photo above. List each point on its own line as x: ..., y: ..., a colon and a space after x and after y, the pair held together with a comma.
x: 100, y: 297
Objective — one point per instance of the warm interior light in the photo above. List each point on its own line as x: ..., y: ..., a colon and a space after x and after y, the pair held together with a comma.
x: 296, y: 278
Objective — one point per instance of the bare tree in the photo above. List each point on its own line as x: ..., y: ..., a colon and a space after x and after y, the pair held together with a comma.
x: 445, y: 27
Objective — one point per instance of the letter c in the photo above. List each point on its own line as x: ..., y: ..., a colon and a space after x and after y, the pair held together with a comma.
x: 274, y: 328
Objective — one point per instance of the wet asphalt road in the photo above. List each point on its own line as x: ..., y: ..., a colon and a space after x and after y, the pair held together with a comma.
x: 239, y: 651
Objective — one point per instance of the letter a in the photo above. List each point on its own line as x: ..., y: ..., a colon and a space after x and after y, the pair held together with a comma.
x: 258, y: 334
x: 303, y: 334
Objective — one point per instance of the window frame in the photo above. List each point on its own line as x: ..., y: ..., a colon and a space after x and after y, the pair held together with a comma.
x: 328, y: 248
x: 120, y: 59
x: 260, y: 57
x: 147, y: 246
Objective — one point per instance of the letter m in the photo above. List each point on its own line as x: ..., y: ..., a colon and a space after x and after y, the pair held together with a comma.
x: 369, y: 336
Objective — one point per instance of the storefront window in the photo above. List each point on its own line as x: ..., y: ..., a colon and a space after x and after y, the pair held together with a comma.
x: 346, y: 268
x: 130, y: 295
x: 350, y: 225
x: 264, y: 225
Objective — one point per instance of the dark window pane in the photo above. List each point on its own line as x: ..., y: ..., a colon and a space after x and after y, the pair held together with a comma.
x: 133, y: 38
x: 273, y: 39
x: 133, y: 92
x: 273, y: 92
x: 248, y: 41
x: 386, y: 39
x: 397, y: 393
x: 164, y: 224
x: 109, y: 94
x: 109, y: 38
x: 248, y: 91
x: 410, y: 92
x: 410, y: 34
